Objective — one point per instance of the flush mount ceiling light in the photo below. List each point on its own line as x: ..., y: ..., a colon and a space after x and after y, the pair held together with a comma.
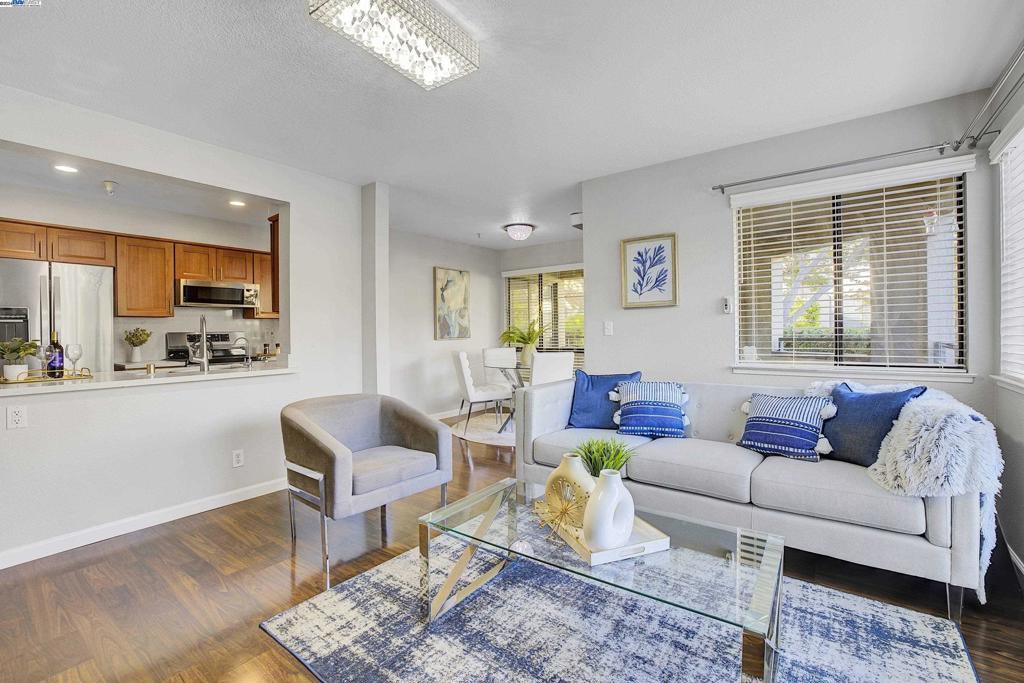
x: 235, y: 202
x: 411, y: 36
x: 519, y: 231
x: 65, y: 169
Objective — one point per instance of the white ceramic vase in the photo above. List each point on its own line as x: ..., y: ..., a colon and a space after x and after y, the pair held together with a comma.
x: 11, y: 371
x: 570, y: 469
x: 526, y: 357
x: 608, y: 519
x: 136, y: 355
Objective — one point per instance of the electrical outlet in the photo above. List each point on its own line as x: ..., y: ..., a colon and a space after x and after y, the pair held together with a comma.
x: 17, y: 417
x: 237, y: 458
x: 609, y: 328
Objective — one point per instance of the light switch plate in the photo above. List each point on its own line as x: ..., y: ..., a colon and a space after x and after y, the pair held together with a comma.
x: 609, y: 328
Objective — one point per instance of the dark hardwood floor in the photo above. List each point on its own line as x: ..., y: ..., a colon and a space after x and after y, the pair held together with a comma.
x: 183, y: 601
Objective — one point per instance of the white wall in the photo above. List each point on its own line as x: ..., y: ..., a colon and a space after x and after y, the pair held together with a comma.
x: 694, y: 341
x: 542, y: 255
x: 422, y: 369
x: 97, y: 457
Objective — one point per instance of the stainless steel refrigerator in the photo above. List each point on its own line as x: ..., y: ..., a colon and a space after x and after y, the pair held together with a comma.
x: 77, y: 300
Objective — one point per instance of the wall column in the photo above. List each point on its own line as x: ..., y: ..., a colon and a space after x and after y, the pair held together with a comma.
x: 376, y: 291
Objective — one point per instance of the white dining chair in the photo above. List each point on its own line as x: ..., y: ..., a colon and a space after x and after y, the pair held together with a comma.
x: 496, y: 358
x: 473, y: 393
x: 551, y: 367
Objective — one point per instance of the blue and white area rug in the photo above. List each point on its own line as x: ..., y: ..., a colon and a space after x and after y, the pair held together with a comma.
x: 532, y: 623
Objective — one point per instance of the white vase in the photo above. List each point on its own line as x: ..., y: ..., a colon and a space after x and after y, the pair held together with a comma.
x: 570, y: 469
x: 526, y: 357
x: 608, y: 519
x: 12, y: 371
x: 136, y: 355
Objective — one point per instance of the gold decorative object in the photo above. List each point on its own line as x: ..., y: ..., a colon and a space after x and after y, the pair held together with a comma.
x: 563, y: 506
x: 41, y: 376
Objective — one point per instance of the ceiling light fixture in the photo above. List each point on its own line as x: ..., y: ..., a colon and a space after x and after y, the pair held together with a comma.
x: 236, y: 202
x: 65, y: 169
x: 519, y: 231
x: 411, y: 36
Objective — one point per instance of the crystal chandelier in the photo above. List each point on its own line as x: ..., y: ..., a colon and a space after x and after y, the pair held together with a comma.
x: 519, y: 231
x: 411, y: 36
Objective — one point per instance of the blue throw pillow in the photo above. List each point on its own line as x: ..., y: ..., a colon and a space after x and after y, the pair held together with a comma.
x: 591, y: 407
x: 786, y: 425
x: 653, y: 409
x: 863, y: 421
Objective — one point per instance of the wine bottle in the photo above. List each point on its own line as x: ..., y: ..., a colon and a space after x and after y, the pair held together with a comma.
x: 54, y: 357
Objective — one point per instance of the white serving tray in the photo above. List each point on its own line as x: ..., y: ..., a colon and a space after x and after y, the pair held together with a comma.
x: 644, y: 540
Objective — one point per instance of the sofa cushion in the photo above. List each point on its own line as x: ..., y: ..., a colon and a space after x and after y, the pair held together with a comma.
x: 375, y: 468
x: 548, y: 449
x: 711, y: 468
x: 591, y: 407
x: 831, y: 489
x: 786, y: 425
x: 652, y: 409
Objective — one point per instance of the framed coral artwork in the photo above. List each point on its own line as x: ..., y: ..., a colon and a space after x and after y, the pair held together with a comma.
x: 649, y: 271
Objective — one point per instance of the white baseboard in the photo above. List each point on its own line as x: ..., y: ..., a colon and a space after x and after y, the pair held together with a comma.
x: 101, y: 532
x: 445, y: 414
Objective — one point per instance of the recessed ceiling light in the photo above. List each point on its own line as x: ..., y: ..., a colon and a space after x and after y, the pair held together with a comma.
x: 65, y: 169
x: 235, y: 202
x: 519, y: 231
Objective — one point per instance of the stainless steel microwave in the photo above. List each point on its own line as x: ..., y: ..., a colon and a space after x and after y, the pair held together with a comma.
x: 216, y: 294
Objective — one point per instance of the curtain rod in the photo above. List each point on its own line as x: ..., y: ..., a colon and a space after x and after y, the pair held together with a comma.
x: 1000, y: 82
x: 940, y: 148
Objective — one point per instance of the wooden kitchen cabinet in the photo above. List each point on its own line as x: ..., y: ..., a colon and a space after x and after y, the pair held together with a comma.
x: 22, y: 240
x: 81, y: 246
x: 234, y: 265
x: 195, y: 262
x: 263, y: 272
x: 144, y: 278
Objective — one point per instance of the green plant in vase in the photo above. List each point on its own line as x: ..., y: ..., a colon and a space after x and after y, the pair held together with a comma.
x: 135, y: 338
x: 603, y: 454
x: 527, y: 337
x: 14, y: 352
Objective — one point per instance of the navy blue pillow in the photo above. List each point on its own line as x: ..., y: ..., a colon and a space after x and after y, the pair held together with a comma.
x: 591, y: 407
x: 862, y: 421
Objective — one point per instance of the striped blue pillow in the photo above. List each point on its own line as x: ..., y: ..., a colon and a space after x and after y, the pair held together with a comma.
x: 785, y: 425
x: 653, y: 409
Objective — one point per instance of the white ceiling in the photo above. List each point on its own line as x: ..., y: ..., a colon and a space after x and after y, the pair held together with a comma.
x: 567, y: 90
x: 33, y: 167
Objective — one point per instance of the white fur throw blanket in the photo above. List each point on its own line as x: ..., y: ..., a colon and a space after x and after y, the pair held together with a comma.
x: 938, y: 447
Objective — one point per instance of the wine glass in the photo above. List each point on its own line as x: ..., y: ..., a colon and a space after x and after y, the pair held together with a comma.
x: 73, y: 353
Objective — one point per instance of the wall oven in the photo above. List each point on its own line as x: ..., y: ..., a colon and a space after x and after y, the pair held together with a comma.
x: 216, y: 294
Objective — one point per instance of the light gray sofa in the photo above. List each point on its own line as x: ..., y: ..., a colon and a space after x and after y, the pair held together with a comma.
x: 830, y: 507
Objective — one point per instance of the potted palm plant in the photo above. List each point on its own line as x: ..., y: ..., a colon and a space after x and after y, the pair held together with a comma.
x: 14, y: 353
x: 527, y: 338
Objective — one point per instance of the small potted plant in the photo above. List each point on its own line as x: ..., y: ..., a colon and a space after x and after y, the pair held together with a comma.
x: 603, y: 454
x: 136, y: 338
x: 527, y: 338
x: 14, y: 353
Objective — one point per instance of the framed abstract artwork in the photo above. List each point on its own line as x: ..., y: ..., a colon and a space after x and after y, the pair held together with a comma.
x: 649, y: 271
x: 451, y: 303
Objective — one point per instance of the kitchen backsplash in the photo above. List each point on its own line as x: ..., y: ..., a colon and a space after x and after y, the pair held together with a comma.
x: 187, y: 320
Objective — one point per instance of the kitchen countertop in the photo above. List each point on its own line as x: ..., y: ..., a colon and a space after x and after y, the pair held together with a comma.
x: 139, y: 378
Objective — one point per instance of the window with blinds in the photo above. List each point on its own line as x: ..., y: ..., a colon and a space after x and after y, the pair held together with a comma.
x: 555, y: 300
x: 871, y: 278
x: 1011, y: 168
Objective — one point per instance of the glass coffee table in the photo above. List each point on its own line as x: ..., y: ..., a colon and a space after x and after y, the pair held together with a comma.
x: 729, y: 574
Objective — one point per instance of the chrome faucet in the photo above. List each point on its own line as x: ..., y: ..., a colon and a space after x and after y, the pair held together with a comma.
x: 247, y: 362
x: 202, y: 356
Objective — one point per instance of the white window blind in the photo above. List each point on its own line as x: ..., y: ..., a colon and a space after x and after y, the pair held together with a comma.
x: 1012, y: 271
x: 555, y: 300
x: 868, y: 278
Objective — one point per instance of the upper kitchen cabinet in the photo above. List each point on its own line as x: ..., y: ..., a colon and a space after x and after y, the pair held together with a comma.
x: 234, y: 265
x: 144, y: 278
x: 81, y: 246
x: 195, y: 262
x: 22, y: 240
x: 263, y: 271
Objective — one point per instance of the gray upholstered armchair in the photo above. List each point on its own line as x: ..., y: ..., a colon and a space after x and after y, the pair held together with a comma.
x: 348, y: 454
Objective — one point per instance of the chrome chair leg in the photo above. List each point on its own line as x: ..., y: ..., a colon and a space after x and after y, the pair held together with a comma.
x: 384, y: 524
x: 291, y: 514
x: 444, y: 495
x: 468, y: 416
x: 324, y: 550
